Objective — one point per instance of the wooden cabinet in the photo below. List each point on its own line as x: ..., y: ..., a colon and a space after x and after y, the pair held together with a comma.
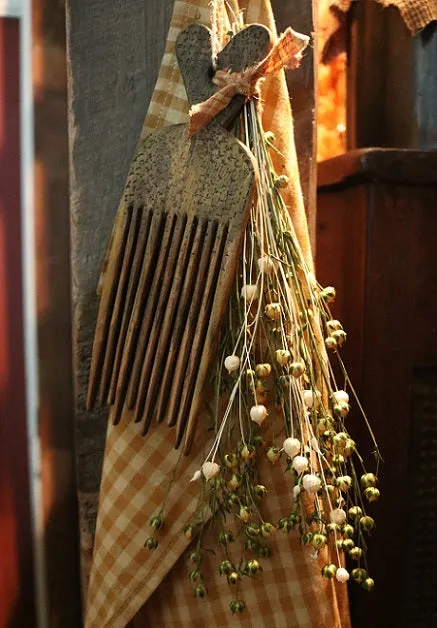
x: 377, y: 243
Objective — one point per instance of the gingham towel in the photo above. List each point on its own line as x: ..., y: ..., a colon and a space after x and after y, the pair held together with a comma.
x: 416, y: 13
x: 124, y: 576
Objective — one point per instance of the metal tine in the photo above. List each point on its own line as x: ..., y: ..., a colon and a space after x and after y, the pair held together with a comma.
x: 180, y: 379
x: 177, y: 330
x: 146, y: 277
x: 149, y: 316
x: 118, y: 243
x: 117, y: 312
x: 146, y: 219
x: 201, y: 325
x: 143, y: 367
x: 228, y: 268
x: 187, y: 252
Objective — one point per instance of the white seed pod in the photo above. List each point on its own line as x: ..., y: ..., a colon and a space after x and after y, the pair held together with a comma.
x: 210, y: 470
x: 291, y: 447
x: 338, y: 515
x: 342, y: 574
x: 273, y: 311
x: 310, y: 397
x: 283, y: 356
x: 232, y: 363
x: 311, y: 483
x: 300, y: 464
x: 340, y: 395
x: 258, y: 414
x: 266, y: 265
x: 296, y: 491
x: 263, y: 370
x: 249, y: 292
x: 328, y: 294
x: 331, y: 342
x: 334, y: 325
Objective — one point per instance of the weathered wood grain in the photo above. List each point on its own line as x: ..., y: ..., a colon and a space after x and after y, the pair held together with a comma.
x: 191, y: 196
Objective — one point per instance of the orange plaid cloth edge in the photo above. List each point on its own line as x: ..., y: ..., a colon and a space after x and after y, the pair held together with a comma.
x: 285, y: 53
x: 416, y: 13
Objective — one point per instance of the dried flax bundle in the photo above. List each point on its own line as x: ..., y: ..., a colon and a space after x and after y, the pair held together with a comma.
x: 277, y: 397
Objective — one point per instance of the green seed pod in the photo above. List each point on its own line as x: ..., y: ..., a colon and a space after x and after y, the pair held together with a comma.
x: 356, y: 553
x: 244, y: 514
x: 265, y: 551
x: 235, y: 482
x: 372, y: 494
x: 233, y: 577
x: 231, y: 461
x: 252, y: 532
x: 253, y: 567
x: 368, y: 584
x: 358, y: 574
x: 237, y: 606
x: 200, y: 590
x: 267, y: 529
x: 285, y: 381
x: 196, y: 557
x: 195, y: 576
x: 339, y: 544
x: 273, y: 454
x: 341, y: 409
x: 348, y: 531
x: 329, y: 570
x: 343, y: 482
x: 260, y: 490
x: 369, y: 479
x: 151, y: 543
x: 348, y: 544
x: 355, y: 513
x: 338, y: 459
x: 333, y: 528
x: 297, y: 369
x: 225, y: 567
x: 318, y: 541
x: 263, y: 370
x: 282, y: 181
x: 367, y: 523
x: 157, y: 522
x: 306, y: 538
x: 294, y: 519
x: 284, y: 524
x: 233, y: 499
x: 226, y: 537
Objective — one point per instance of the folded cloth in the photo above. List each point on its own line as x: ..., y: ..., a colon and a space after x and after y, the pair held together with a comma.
x: 416, y: 13
x: 125, y: 577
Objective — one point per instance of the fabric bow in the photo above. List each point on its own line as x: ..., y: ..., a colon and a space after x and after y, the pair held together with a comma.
x: 286, y: 53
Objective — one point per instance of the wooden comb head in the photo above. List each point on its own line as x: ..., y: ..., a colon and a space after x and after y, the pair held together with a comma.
x: 195, y: 58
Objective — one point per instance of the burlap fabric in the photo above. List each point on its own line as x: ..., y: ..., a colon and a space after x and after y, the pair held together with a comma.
x: 416, y: 13
x: 125, y: 576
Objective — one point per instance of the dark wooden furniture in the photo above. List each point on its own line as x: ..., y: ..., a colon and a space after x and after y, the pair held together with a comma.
x: 377, y: 243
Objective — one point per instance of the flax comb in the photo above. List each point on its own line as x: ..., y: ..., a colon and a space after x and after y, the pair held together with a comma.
x: 174, y: 252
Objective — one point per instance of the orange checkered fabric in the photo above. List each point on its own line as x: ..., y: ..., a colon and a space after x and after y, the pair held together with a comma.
x: 128, y: 581
x: 416, y: 13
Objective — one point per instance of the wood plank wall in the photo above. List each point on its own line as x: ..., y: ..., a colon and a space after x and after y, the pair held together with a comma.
x: 52, y: 223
